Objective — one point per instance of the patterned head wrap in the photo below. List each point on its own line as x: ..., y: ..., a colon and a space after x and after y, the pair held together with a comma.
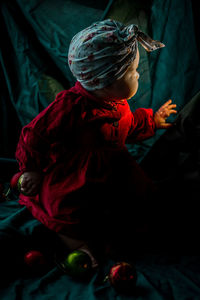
x: 101, y: 53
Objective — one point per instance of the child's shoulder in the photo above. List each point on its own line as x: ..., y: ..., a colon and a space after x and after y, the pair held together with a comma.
x: 64, y: 99
x: 62, y: 95
x: 68, y: 95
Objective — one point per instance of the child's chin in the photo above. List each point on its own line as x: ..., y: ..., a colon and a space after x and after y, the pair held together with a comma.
x: 131, y: 95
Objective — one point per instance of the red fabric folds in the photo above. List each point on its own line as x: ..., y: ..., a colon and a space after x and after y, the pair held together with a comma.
x: 77, y: 143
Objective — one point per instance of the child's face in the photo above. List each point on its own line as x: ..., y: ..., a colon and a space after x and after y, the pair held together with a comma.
x: 127, y: 86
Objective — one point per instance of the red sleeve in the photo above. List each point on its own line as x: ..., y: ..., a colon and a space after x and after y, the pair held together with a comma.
x: 142, y: 125
x: 38, y: 137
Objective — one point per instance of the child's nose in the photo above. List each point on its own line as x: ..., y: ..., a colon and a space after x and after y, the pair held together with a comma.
x: 137, y: 75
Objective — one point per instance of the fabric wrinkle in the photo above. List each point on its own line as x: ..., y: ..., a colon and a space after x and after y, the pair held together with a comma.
x: 84, y: 147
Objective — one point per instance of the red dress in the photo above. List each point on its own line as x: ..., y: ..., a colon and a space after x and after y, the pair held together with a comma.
x: 78, y: 142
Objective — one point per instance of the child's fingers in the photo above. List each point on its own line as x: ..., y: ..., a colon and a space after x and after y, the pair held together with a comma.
x: 166, y: 125
x: 31, y: 190
x: 167, y: 103
x: 173, y: 111
x: 166, y: 114
x: 24, y: 189
x: 28, y: 185
x: 171, y: 106
x: 24, y: 183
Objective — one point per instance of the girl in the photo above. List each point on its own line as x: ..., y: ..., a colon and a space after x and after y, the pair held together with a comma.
x: 78, y: 178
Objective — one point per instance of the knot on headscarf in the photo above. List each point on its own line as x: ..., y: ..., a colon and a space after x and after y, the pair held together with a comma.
x: 102, y: 52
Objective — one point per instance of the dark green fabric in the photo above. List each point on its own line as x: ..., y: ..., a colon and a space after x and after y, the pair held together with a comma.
x: 38, y: 35
x: 35, y: 37
x: 174, y: 71
x: 160, y: 276
x: 173, y: 163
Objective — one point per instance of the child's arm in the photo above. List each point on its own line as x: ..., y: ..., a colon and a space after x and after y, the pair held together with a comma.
x: 142, y: 125
x: 145, y: 122
x: 32, y: 149
x: 35, y: 151
x: 32, y: 156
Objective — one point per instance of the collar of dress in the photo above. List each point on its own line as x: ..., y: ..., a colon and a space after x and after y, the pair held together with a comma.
x: 101, y: 102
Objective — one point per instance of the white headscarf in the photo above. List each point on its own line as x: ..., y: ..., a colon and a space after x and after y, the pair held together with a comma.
x: 101, y: 53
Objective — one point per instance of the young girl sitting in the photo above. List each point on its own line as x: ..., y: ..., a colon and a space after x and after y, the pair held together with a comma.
x: 79, y: 179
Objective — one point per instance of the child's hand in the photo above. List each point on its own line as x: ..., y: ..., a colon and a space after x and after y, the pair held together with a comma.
x: 31, y: 183
x: 163, y: 113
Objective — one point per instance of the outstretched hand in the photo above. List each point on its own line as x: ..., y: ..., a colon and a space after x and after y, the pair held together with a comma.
x: 163, y: 113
